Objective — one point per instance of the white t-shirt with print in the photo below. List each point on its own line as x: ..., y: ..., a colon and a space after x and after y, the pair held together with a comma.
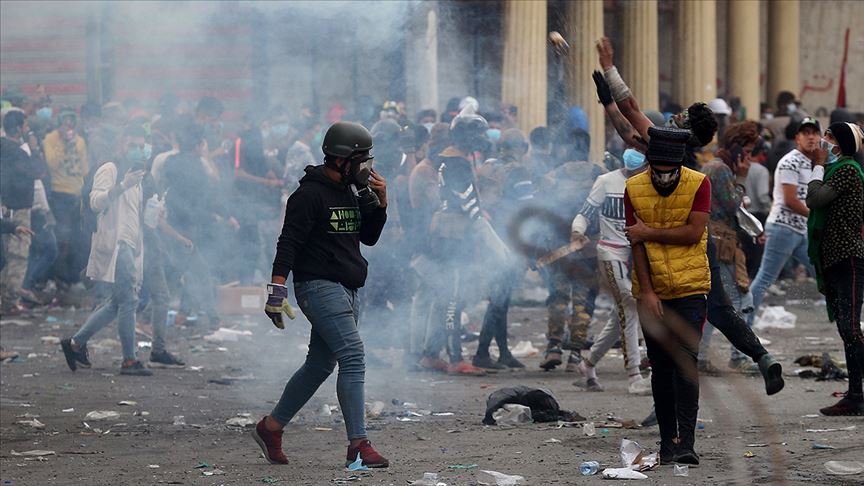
x: 793, y: 168
x: 607, y: 197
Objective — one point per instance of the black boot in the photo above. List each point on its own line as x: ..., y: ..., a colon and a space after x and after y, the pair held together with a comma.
x: 772, y: 373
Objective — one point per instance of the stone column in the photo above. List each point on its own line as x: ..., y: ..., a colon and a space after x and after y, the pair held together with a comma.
x: 523, y: 77
x: 743, y: 54
x: 639, y: 61
x: 695, y: 73
x: 584, y: 27
x: 784, y: 50
x: 421, y: 58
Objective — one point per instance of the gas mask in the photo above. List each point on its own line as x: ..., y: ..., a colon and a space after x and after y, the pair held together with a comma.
x: 358, y: 175
x: 665, y: 181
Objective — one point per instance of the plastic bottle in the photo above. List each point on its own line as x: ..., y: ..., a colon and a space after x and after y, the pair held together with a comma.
x: 589, y: 468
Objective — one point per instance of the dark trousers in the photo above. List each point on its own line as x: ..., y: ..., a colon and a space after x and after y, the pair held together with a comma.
x: 495, y: 320
x: 723, y: 316
x: 844, y: 293
x: 72, y: 245
x: 673, y: 347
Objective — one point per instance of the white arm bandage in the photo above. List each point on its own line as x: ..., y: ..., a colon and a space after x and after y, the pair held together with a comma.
x: 619, y: 89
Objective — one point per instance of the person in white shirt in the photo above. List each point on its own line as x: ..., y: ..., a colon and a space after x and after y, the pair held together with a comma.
x: 116, y: 253
x: 606, y: 203
x: 786, y: 228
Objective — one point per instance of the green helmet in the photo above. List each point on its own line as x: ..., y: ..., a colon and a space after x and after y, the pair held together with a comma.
x: 344, y: 139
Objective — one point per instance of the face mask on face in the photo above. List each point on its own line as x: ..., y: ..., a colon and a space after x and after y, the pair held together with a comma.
x: 633, y: 160
x: 494, y: 134
x: 428, y: 127
x: 135, y: 157
x: 831, y: 158
x: 665, y: 181
x: 44, y: 113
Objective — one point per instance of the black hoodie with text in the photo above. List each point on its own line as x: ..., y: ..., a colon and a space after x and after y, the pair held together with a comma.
x: 323, y: 230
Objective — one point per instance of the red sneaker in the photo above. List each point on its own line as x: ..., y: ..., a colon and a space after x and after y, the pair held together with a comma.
x: 433, y: 364
x: 368, y: 455
x: 270, y: 443
x: 465, y: 368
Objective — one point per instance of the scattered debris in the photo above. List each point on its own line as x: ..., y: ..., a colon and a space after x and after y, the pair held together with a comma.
x: 270, y: 480
x: 145, y: 345
x: 179, y: 420
x: 429, y: 479
x: 842, y: 429
x: 680, y: 470
x: 544, y: 407
x: 240, y: 421
x: 50, y: 340
x: 588, y: 429
x: 462, y: 466
x: 844, y: 468
x: 622, y: 473
x: 502, y: 479
x: 749, y: 454
x: 153, y: 466
x: 589, y: 468
x: 630, y: 452
x: 33, y: 453
x: 214, y: 472
x: 224, y: 334
x: 68, y: 410
x: 375, y: 409
x: 323, y: 429
x: 757, y: 445
x: 101, y: 415
x: 512, y: 414
x: 822, y: 446
x: 552, y: 441
x: 202, y: 465
x: 34, y: 423
x: 524, y: 349
x: 357, y: 465
x: 776, y: 317
x: 127, y: 403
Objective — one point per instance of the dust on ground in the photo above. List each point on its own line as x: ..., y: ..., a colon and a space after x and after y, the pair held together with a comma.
x: 148, y: 444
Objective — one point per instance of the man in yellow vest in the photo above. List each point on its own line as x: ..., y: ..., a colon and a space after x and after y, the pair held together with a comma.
x: 669, y: 205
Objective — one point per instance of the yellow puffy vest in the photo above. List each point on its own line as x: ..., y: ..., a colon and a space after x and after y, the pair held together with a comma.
x: 676, y: 270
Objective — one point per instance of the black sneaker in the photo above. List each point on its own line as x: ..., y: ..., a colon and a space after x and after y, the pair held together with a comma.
x: 685, y: 455
x: 75, y: 358
x: 486, y: 363
x: 849, y: 405
x: 164, y: 359
x: 510, y: 362
x: 134, y: 368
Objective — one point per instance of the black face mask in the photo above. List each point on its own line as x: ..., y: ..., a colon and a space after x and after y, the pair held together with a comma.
x: 665, y: 181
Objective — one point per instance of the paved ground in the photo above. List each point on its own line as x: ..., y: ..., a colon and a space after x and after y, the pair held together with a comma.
x: 127, y: 449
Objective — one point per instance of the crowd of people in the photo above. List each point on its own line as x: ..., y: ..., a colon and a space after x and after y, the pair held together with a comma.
x: 691, y: 217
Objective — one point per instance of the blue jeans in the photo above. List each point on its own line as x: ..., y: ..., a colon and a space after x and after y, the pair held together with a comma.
x: 332, y: 310
x: 781, y: 243
x: 43, y: 252
x: 120, y: 305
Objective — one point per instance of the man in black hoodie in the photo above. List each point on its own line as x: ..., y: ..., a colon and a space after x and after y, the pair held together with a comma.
x: 338, y: 206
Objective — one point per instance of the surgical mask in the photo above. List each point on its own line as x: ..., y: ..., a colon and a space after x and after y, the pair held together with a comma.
x: 665, y: 181
x: 44, y: 113
x: 791, y: 108
x: 136, y: 156
x: 829, y: 147
x: 280, y: 130
x: 633, y: 159
x: 494, y: 134
x: 428, y: 127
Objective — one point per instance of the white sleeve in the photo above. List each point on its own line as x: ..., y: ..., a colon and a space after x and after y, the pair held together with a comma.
x: 817, y: 174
